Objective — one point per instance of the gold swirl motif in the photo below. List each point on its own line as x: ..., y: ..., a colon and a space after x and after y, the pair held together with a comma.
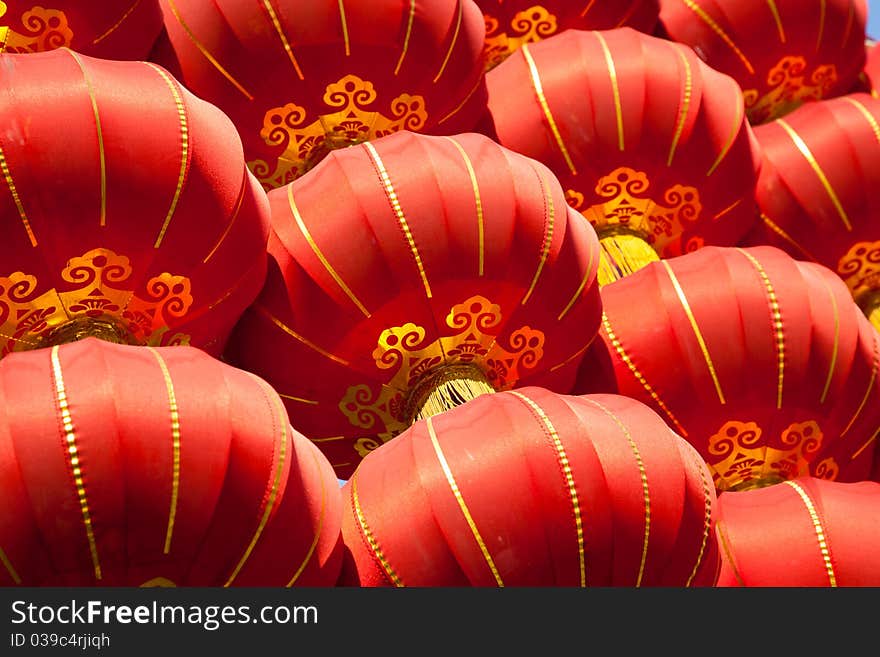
x: 628, y: 209
x: 388, y: 409
x: 790, y: 88
x: 354, y: 121
x: 45, y: 29
x: 528, y: 26
x: 739, y: 459
x: 860, y: 268
x: 29, y: 320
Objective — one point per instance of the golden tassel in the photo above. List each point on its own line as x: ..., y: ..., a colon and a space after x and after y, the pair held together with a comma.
x: 870, y: 305
x: 105, y: 327
x: 445, y: 388
x: 622, y: 254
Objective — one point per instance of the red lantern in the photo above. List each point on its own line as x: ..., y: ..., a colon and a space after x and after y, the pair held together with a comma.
x: 110, y: 29
x: 532, y: 488
x: 762, y: 362
x: 301, y: 78
x: 142, y: 466
x: 462, y: 270
x: 139, y: 223
x: 817, y: 191
x: 782, y: 52
x: 803, y: 532
x: 510, y: 24
x: 871, y: 75
x: 649, y: 143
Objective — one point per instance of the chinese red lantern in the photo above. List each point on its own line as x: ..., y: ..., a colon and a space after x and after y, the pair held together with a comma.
x: 761, y: 361
x: 511, y: 23
x: 110, y: 29
x: 139, y: 222
x: 817, y: 191
x: 139, y: 466
x: 299, y: 78
x: 461, y: 271
x: 802, y: 532
x: 649, y: 143
x: 782, y: 52
x: 532, y: 488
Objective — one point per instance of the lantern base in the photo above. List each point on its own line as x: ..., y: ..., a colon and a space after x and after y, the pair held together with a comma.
x: 622, y: 254
x: 870, y: 305
x: 754, y: 484
x: 445, y: 388
x: 103, y: 327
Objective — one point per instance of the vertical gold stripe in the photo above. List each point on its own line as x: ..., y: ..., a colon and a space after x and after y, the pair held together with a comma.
x: 579, y: 291
x: 738, y: 123
x: 615, y: 90
x: 450, y: 478
x: 7, y: 175
x: 833, y: 364
x: 198, y: 44
x: 776, y: 318
x: 788, y: 238
x: 643, y: 475
x: 451, y: 45
x: 9, y: 568
x: 409, y: 24
x: 478, y: 200
x: 776, y: 17
x: 562, y: 457
x: 693, y: 321
x: 344, y: 28
x: 279, y: 30
x: 632, y: 9
x: 865, y: 446
x: 550, y: 216
x: 824, y: 549
x: 587, y: 8
x: 398, y: 212
x: 861, y: 407
x: 805, y: 151
x: 297, y: 217
x: 727, y: 551
x: 311, y: 345
x: 117, y: 24
x: 875, y: 126
x: 184, y: 151
x: 707, y: 516
x: 621, y: 352
x: 575, y: 355
x: 276, y: 478
x: 175, y: 447
x: 318, y: 529
x: 73, y: 452
x: 101, y: 157
x: 545, y: 107
x: 685, y: 103
x: 823, y: 10
x: 480, y: 81
x: 229, y: 224
x: 726, y: 210
x: 849, y: 23
x: 371, y: 539
x: 706, y: 18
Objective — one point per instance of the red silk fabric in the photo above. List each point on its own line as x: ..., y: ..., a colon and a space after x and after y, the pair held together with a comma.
x: 765, y: 365
x: 141, y: 210
x: 300, y: 78
x: 782, y: 52
x: 110, y: 29
x: 396, y: 257
x: 127, y: 466
x: 511, y: 23
x: 532, y: 488
x: 805, y: 532
x: 637, y: 129
x: 817, y: 188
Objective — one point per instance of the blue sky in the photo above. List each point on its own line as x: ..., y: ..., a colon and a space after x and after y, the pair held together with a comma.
x: 874, y: 19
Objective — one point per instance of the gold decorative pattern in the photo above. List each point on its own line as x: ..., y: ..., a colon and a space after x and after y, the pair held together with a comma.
x: 371, y: 539
x: 27, y: 320
x: 387, y: 411
x: 627, y: 208
x: 73, y: 453
x: 790, y: 88
x: 44, y: 29
x: 820, y: 532
x: 562, y: 457
x: 739, y: 458
x: 860, y: 268
x: 459, y: 498
x: 354, y: 121
x: 528, y: 26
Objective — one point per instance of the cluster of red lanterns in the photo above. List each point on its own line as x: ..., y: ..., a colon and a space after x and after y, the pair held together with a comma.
x: 356, y: 293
